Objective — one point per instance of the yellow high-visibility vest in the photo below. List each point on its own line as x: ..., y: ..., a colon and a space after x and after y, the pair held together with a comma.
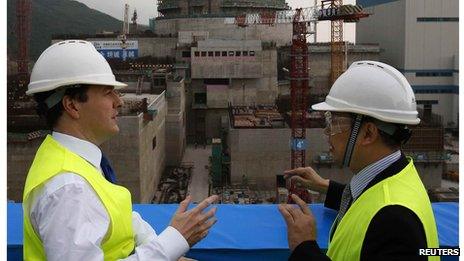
x: 52, y: 159
x: 404, y: 189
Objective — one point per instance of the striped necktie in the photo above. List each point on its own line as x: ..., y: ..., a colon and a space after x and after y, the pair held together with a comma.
x: 344, y: 205
x: 107, y: 170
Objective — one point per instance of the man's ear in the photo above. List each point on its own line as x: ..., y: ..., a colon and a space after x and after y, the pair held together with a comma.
x: 71, y: 107
x: 370, y: 134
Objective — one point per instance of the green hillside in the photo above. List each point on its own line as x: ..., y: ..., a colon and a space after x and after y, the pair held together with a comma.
x: 50, y: 17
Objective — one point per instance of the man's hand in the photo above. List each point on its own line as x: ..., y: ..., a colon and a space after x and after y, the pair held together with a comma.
x: 194, y: 224
x: 301, y: 225
x: 307, y: 178
x: 183, y: 258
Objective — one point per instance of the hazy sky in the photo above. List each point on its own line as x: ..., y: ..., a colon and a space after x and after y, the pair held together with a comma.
x: 147, y: 9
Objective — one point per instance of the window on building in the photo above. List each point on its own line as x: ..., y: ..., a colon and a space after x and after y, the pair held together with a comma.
x: 419, y: 102
x: 434, y: 74
x: 237, y: 53
x: 245, y: 53
x: 159, y: 81
x: 218, y: 81
x: 200, y: 98
x: 210, y: 54
x: 217, y: 53
x: 436, y: 89
x: 197, y: 54
x: 203, y: 54
x: 437, y: 19
x: 231, y: 53
x: 186, y: 54
x: 252, y: 53
x: 153, y: 143
x: 224, y: 53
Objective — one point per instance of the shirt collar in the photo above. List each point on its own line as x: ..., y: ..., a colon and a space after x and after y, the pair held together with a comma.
x: 360, y: 181
x: 83, y: 148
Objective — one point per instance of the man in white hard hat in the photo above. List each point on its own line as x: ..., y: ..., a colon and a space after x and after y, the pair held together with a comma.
x: 384, y: 212
x: 73, y: 210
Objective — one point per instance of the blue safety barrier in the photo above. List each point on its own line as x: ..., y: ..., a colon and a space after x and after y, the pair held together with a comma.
x: 243, y: 232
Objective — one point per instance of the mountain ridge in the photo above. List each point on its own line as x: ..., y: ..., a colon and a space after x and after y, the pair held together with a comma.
x: 54, y: 17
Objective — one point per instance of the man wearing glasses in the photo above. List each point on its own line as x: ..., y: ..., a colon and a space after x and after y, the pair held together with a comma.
x: 384, y: 211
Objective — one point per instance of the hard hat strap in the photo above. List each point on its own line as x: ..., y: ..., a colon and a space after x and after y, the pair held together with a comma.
x: 58, y: 95
x: 352, y: 140
x: 55, y: 98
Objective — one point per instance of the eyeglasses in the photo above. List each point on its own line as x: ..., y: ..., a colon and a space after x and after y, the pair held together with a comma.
x: 336, y: 124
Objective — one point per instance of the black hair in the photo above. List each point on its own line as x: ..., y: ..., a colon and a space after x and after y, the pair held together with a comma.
x: 51, y: 115
x: 399, y: 137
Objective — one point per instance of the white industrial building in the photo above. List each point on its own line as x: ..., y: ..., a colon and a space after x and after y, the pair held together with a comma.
x: 420, y: 38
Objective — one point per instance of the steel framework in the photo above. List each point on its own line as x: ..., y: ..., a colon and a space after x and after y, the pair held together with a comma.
x: 337, y: 14
x: 299, y: 90
x: 23, y: 28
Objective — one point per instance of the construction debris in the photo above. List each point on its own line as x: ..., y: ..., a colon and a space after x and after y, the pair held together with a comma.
x: 258, y: 116
x: 173, y: 187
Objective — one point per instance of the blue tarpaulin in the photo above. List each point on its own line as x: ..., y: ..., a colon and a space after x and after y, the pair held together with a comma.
x: 243, y: 232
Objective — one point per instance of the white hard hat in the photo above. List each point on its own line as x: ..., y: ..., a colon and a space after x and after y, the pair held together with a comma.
x: 374, y: 89
x: 68, y: 63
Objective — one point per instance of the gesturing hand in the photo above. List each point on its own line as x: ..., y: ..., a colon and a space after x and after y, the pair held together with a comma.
x: 194, y: 224
x: 307, y: 178
x: 301, y: 225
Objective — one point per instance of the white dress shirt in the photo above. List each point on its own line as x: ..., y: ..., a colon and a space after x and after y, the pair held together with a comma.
x: 72, y: 222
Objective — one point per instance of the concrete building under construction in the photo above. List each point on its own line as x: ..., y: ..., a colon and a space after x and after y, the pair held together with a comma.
x: 198, y: 78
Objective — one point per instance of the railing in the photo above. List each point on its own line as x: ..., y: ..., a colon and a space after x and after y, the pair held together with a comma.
x: 242, y: 232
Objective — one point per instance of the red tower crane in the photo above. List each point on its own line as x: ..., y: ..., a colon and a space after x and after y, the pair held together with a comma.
x: 303, y: 20
x: 23, y: 24
x: 299, y: 90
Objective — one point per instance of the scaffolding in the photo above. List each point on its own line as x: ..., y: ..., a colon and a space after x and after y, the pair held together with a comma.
x: 255, y: 116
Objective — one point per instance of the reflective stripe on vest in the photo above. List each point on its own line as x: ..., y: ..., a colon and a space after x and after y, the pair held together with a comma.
x: 405, y: 189
x: 52, y: 159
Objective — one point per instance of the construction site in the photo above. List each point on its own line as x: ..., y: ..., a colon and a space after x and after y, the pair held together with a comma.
x: 218, y: 100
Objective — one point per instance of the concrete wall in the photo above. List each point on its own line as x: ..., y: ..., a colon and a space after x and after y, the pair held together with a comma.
x: 117, y: 149
x: 173, y: 8
x: 152, y: 160
x: 175, y: 122
x: 228, y: 66
x: 319, y: 62
x: 281, y: 34
x: 386, y: 26
x: 137, y: 164
x: 431, y: 45
x: 260, y: 154
x: 213, y: 123
x: 259, y: 89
